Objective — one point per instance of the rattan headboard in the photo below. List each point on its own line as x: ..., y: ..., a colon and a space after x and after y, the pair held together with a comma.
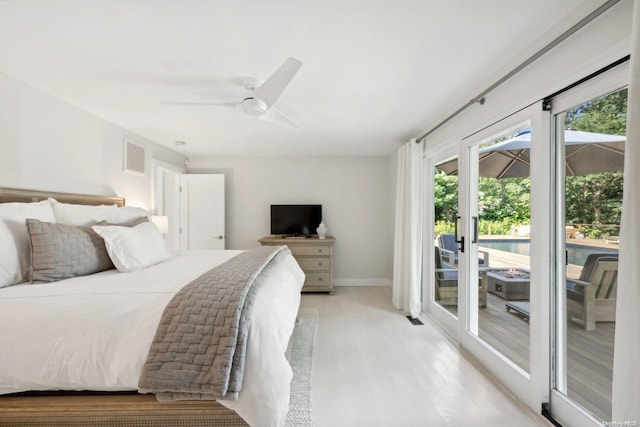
x: 20, y: 195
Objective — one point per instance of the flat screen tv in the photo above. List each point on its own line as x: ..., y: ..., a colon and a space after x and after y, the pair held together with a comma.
x: 295, y: 220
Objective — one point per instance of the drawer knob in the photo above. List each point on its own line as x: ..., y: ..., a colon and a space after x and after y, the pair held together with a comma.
x: 320, y: 264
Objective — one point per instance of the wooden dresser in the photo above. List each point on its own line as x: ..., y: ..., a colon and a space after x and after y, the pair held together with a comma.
x: 315, y: 257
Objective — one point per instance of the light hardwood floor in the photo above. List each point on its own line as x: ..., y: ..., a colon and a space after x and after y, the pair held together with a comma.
x: 371, y: 367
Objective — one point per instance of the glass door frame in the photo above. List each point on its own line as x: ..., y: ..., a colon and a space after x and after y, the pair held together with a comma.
x: 562, y: 407
x: 531, y: 387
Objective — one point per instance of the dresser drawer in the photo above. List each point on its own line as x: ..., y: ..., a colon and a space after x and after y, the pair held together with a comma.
x: 315, y: 263
x: 315, y: 257
x: 317, y: 279
x: 310, y: 250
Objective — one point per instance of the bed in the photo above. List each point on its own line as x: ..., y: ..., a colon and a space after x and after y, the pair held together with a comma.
x: 89, y: 336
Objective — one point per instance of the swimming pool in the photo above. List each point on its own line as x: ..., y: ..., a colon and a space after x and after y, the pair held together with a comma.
x: 577, y: 253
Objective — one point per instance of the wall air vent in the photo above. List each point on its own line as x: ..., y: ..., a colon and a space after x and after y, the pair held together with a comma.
x: 415, y: 321
x: 134, y: 157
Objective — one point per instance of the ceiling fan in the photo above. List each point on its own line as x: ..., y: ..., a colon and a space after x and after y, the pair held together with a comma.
x: 262, y: 96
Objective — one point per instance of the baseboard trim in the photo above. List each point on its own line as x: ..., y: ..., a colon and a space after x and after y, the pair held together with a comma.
x: 362, y: 282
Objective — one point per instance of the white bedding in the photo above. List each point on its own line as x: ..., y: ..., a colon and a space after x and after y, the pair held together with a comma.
x: 94, y: 332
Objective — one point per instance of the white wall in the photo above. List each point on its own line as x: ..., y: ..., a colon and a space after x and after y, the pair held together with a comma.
x: 49, y: 144
x: 354, y: 193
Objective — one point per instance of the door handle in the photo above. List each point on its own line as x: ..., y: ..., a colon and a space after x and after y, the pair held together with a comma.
x: 455, y: 231
x: 218, y: 237
x: 475, y: 229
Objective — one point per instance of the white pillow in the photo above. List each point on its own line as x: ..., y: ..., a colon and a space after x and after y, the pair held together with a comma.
x: 83, y: 215
x: 15, y: 257
x: 86, y: 216
x: 134, y: 248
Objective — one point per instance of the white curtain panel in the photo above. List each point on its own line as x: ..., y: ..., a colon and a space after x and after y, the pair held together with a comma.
x: 626, y: 362
x: 407, y: 256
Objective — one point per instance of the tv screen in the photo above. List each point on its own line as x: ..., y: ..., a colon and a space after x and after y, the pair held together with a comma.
x: 295, y: 220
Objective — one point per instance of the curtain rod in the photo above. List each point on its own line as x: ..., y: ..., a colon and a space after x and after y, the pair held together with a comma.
x: 480, y: 98
x: 548, y: 98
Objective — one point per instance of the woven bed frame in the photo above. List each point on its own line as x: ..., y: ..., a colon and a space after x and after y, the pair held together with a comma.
x: 103, y: 409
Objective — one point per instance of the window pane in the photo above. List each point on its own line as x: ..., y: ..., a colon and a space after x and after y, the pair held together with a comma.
x: 504, y: 231
x: 445, y: 247
x: 592, y: 138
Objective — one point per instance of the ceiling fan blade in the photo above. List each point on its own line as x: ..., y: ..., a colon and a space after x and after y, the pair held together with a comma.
x: 273, y: 87
x: 276, y: 117
x: 219, y: 104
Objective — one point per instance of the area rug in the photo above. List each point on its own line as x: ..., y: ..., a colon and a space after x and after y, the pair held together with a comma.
x: 300, y: 356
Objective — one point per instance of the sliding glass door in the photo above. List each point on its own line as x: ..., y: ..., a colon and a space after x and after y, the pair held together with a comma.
x: 590, y: 124
x: 535, y: 232
x: 501, y: 233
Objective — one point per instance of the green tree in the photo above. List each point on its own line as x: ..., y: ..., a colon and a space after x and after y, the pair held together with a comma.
x: 445, y: 196
x: 597, y: 198
x: 607, y: 114
x: 594, y: 198
x: 505, y: 199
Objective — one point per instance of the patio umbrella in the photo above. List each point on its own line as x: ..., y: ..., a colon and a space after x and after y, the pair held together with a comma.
x: 585, y: 153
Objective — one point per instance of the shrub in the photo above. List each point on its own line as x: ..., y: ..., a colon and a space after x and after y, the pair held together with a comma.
x: 444, y: 227
x: 501, y: 228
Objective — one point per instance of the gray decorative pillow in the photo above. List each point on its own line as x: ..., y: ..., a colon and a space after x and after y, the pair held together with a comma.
x: 60, y: 251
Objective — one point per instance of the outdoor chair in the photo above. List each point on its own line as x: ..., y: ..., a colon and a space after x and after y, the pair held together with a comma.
x: 592, y: 298
x: 446, y: 283
x: 612, y: 240
x: 449, y: 250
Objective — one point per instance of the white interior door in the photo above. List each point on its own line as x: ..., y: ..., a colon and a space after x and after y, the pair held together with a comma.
x: 167, y: 199
x: 202, y: 207
x: 171, y: 207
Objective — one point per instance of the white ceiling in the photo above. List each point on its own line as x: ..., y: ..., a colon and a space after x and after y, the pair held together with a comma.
x: 375, y: 72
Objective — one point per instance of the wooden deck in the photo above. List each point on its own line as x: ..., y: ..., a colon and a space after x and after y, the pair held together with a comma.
x: 589, y: 354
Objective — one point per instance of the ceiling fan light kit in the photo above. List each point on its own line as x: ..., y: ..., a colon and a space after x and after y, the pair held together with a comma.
x: 254, y: 106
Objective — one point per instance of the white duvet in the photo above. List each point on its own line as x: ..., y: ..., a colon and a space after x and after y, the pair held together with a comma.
x: 94, y: 332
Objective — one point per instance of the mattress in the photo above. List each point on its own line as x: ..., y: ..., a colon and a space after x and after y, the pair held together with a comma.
x: 94, y: 332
